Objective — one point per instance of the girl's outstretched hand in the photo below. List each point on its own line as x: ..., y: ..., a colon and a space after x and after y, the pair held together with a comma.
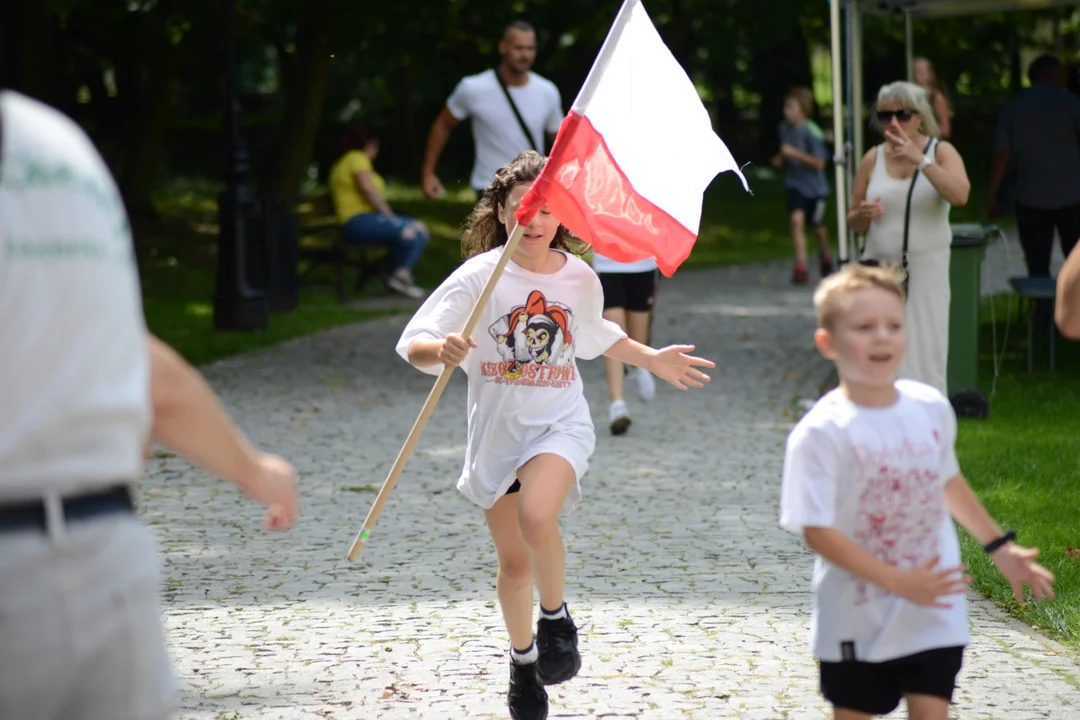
x: 674, y: 365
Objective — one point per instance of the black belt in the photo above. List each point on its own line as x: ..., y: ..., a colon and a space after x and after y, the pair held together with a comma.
x: 31, y: 515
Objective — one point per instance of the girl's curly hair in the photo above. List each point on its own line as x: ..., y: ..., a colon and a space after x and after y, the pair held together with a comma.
x: 484, y: 231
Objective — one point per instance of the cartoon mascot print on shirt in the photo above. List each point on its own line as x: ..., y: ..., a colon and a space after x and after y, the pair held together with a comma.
x: 537, y: 332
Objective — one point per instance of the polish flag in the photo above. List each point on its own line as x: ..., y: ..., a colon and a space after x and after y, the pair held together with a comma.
x: 635, y: 153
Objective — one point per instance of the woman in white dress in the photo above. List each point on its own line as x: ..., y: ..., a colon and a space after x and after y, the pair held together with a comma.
x: 878, y: 207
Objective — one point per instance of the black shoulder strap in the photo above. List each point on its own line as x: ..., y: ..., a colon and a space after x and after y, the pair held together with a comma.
x: 521, y: 121
x: 907, y: 207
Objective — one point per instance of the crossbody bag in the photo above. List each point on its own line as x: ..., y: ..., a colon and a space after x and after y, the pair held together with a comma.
x: 513, y: 106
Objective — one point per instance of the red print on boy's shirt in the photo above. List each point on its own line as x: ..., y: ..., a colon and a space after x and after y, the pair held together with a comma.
x: 900, y: 507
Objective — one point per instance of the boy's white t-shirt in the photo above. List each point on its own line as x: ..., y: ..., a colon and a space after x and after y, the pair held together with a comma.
x: 877, y: 475
x: 74, y: 371
x: 496, y: 132
x: 525, y: 393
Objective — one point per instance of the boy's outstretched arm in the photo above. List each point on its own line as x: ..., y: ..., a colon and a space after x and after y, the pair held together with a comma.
x: 1016, y: 563
x: 922, y: 585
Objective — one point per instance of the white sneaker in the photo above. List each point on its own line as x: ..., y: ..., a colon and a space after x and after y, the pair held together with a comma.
x: 619, y: 417
x: 404, y: 285
x: 646, y: 385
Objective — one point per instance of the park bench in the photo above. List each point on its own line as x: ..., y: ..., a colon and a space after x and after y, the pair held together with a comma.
x: 321, y: 245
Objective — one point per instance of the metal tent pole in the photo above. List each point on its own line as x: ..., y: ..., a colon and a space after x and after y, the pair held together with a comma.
x: 839, y: 146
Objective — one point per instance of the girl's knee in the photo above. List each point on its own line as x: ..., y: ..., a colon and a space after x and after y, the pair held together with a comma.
x: 538, y: 527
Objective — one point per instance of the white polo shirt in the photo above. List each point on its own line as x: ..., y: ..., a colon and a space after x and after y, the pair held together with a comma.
x: 496, y: 132
x: 74, y: 388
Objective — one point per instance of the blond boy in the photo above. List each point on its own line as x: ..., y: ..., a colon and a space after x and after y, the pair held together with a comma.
x: 872, y: 482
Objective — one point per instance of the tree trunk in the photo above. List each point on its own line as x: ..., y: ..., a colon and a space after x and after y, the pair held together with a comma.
x: 781, y: 60
x: 148, y: 130
x: 407, y: 155
x: 27, y: 42
x: 304, y: 96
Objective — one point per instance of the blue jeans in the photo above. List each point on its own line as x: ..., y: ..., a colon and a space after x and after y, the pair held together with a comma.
x: 376, y: 230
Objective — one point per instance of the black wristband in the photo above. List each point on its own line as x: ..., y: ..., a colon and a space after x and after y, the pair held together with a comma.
x: 995, y: 544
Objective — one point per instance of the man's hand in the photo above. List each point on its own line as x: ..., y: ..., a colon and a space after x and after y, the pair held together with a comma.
x: 272, y: 483
x: 431, y: 186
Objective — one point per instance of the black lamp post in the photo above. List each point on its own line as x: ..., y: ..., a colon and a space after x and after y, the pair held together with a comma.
x: 237, y: 305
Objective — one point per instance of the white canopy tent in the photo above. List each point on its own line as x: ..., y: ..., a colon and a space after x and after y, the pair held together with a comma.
x: 849, y: 40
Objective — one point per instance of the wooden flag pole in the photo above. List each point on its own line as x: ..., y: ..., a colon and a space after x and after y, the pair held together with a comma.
x: 432, y: 399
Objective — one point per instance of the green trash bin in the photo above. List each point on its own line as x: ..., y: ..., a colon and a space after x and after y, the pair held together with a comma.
x: 965, y: 270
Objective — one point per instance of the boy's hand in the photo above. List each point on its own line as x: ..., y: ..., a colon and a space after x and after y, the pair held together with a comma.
x: 778, y: 160
x: 923, y: 585
x: 1018, y: 566
x: 454, y: 349
x: 789, y: 151
x: 674, y: 365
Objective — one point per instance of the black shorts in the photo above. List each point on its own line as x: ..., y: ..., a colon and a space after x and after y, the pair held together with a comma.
x: 813, y: 209
x: 513, y: 488
x: 877, y: 688
x: 634, y: 291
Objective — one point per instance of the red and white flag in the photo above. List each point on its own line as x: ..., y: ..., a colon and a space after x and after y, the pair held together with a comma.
x: 635, y: 153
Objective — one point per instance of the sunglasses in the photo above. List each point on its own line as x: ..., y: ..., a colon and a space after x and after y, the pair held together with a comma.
x: 885, y: 116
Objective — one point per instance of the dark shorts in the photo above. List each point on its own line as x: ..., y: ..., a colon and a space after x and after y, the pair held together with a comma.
x: 813, y: 208
x: 513, y: 488
x: 877, y: 688
x: 634, y: 291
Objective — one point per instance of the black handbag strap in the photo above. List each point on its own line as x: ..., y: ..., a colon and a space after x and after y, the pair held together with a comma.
x: 907, y: 210
x: 907, y: 207
x: 517, y: 114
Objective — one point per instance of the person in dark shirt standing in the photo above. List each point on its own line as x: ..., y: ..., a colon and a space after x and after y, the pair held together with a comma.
x: 1038, y: 137
x: 803, y: 156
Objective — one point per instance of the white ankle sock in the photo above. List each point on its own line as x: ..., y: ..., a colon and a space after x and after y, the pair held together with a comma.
x: 524, y: 658
x: 556, y: 615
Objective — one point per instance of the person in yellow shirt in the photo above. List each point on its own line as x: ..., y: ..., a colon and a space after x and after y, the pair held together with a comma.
x: 359, y: 195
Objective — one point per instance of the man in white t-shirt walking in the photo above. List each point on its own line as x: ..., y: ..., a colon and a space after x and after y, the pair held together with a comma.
x: 512, y: 110
x: 83, y: 388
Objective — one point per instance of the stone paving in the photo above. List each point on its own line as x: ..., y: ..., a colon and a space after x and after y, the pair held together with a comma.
x: 692, y: 602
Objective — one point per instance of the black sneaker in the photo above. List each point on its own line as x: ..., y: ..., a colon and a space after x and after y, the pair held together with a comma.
x: 800, y: 276
x: 527, y: 698
x: 557, y: 642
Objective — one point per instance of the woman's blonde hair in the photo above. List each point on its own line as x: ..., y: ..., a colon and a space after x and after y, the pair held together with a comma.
x: 908, y: 96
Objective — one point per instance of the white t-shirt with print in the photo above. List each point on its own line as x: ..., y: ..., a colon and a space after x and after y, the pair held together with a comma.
x: 525, y: 393
x: 877, y: 475
x: 496, y: 132
x: 74, y: 388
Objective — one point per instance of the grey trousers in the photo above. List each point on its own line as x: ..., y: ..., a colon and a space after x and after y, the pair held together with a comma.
x: 81, y: 634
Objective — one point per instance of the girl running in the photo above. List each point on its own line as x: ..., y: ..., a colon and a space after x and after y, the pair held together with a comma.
x: 530, y: 434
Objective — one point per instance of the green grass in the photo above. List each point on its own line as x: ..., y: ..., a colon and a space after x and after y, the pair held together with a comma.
x: 1024, y: 464
x: 178, y: 279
